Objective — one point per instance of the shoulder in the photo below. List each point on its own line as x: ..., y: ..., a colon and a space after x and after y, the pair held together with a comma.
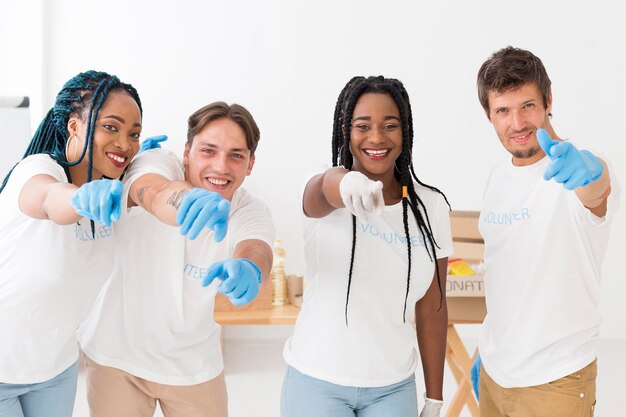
x: 37, y: 165
x: 156, y: 161
x: 432, y: 199
x: 244, y: 201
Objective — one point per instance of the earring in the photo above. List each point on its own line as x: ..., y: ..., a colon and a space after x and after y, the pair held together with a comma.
x: 67, y: 145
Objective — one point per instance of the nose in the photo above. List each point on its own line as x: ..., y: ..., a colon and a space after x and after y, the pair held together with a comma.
x: 518, y: 122
x: 376, y: 136
x: 220, y: 163
x: 123, y: 143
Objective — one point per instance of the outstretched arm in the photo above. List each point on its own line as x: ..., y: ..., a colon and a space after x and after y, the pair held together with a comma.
x: 177, y: 203
x: 243, y: 274
x: 321, y: 195
x: 577, y: 170
x: 44, y: 197
x: 158, y: 196
x: 337, y: 188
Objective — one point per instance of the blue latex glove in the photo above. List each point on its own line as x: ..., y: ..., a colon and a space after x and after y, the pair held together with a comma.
x: 240, y: 279
x: 569, y: 166
x: 99, y: 201
x: 475, y: 375
x: 152, y: 143
x: 201, y: 208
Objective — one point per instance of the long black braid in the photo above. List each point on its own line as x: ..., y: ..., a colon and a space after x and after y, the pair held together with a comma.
x: 82, y: 96
x: 404, y: 170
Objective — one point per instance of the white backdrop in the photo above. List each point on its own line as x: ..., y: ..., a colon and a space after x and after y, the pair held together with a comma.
x: 286, y: 61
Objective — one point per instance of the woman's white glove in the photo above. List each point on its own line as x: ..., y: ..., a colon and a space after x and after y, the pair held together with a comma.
x: 432, y: 408
x: 361, y: 196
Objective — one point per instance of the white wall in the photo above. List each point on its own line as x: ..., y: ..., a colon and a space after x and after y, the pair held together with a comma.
x: 287, y: 61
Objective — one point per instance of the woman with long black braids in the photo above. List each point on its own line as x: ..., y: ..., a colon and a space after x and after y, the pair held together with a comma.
x: 376, y: 241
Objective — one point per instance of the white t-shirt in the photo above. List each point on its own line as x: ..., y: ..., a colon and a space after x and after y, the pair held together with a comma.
x: 376, y: 348
x: 543, y: 255
x: 49, y: 277
x: 153, y: 319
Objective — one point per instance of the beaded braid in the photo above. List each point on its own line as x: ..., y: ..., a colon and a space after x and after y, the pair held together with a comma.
x: 87, y: 90
x: 404, y: 170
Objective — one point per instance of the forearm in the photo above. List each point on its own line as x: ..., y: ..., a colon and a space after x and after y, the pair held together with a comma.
x: 431, y: 322
x: 330, y: 186
x: 321, y: 195
x: 257, y: 251
x: 594, y: 195
x: 160, y: 198
x: 432, y: 328
x: 56, y: 205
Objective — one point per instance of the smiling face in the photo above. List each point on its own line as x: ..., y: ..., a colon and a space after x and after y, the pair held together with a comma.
x: 516, y: 114
x: 115, y: 138
x: 218, y: 158
x: 376, y: 135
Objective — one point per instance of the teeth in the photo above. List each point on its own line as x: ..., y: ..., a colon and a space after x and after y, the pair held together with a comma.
x: 216, y: 181
x: 376, y: 152
x: 117, y: 158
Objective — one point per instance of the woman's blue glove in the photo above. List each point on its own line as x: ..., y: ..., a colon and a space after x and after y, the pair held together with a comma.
x: 240, y: 279
x: 475, y: 375
x: 201, y: 208
x: 99, y: 201
x: 569, y: 166
x: 152, y: 143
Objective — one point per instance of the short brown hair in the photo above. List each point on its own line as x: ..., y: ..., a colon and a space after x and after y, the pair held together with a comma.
x: 510, y: 68
x: 220, y: 110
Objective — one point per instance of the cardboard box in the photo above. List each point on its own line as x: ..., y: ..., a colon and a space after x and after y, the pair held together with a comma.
x: 465, y: 294
x: 465, y: 286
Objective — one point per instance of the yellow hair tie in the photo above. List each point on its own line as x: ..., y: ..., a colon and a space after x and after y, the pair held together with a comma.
x: 405, y: 191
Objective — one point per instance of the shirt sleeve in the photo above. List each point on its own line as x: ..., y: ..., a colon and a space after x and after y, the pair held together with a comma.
x: 251, y: 219
x: 40, y: 164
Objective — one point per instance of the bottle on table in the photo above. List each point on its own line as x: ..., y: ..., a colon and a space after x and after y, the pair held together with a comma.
x: 279, y: 278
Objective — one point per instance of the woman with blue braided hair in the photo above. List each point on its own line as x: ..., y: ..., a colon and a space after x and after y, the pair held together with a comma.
x: 373, y: 269
x: 56, y: 209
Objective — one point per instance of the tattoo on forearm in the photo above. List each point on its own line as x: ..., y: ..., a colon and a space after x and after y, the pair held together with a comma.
x: 140, y: 192
x: 176, y: 198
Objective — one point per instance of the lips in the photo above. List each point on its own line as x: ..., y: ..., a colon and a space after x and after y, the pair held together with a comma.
x: 117, y: 158
x: 217, y: 183
x: 376, y: 153
x: 521, y: 137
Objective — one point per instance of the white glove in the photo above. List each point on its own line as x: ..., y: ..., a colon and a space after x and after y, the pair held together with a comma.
x: 432, y: 408
x: 361, y: 196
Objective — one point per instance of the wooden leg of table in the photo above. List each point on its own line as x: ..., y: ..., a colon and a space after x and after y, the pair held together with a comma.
x: 460, y: 364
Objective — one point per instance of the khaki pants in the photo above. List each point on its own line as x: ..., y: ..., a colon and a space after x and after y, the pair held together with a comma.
x: 115, y: 393
x: 571, y: 396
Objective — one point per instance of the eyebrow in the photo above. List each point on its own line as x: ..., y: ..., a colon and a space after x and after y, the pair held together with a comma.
x: 368, y: 118
x: 211, y: 145
x: 119, y: 119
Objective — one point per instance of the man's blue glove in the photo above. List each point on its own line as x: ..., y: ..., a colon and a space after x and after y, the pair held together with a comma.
x: 569, y: 166
x: 99, y: 201
x: 201, y: 208
x: 475, y: 375
x: 240, y: 279
x: 152, y: 143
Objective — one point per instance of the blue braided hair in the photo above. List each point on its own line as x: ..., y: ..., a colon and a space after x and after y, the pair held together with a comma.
x: 82, y: 96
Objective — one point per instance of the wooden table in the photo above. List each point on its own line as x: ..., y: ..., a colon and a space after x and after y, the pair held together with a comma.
x: 286, y: 314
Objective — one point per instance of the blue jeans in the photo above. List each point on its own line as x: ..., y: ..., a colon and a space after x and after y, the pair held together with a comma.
x: 304, y: 396
x: 52, y: 398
